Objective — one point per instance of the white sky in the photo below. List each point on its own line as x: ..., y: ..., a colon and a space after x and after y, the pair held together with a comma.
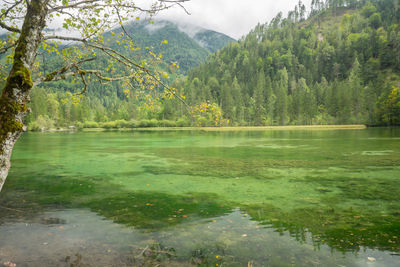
x: 232, y: 17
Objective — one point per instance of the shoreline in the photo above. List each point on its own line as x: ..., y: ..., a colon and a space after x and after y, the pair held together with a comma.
x: 220, y: 129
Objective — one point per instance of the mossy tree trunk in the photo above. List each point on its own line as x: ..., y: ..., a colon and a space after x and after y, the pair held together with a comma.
x: 15, y: 94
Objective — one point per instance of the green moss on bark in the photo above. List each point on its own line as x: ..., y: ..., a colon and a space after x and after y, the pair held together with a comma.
x: 49, y: 77
x: 10, y: 107
x: 20, y: 78
x: 20, y: 75
x: 8, y: 113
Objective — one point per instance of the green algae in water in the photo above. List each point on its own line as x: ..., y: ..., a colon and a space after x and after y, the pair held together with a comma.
x: 230, y: 198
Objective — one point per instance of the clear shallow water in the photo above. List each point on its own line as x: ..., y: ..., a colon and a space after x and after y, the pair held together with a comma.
x: 274, y: 198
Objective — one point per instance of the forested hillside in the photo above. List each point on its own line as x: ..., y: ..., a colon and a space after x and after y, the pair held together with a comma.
x: 339, y: 66
x: 56, y: 104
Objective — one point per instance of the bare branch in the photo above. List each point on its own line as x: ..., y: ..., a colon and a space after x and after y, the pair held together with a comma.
x: 61, y: 74
x: 82, y: 74
x: 64, y: 38
x: 99, y: 75
x: 89, y: 4
x: 9, y: 28
x: 179, y: 3
x: 74, y: 5
x: 113, y: 53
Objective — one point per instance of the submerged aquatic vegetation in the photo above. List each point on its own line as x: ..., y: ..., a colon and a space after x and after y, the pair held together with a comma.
x: 154, y: 210
x: 316, y: 189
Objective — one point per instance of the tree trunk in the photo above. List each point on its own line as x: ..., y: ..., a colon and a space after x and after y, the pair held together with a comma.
x: 15, y: 94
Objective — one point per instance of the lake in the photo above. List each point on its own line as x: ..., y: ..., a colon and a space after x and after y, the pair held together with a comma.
x: 189, y: 198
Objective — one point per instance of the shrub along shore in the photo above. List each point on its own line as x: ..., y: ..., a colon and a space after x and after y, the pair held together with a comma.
x: 182, y: 125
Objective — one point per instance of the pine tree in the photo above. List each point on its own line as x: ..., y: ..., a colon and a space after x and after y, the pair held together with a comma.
x: 270, y: 100
x: 258, y: 97
x: 238, y: 101
x: 227, y: 102
x: 357, y: 93
x: 281, y: 103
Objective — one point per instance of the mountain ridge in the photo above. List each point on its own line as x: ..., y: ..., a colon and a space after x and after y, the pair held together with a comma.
x: 194, y: 43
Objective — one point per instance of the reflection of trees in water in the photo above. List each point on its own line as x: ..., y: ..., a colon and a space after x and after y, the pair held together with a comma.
x: 345, y: 230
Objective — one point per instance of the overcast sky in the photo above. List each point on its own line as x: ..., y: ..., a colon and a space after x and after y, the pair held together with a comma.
x: 232, y: 17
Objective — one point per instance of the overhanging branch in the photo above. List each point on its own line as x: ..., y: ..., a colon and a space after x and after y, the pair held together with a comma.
x: 89, y: 4
x: 64, y: 38
x: 73, y: 5
x: 62, y: 73
x: 9, y: 28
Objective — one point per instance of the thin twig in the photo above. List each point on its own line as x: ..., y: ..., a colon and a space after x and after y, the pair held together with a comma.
x: 10, y: 8
x: 122, y: 24
x: 53, y: 76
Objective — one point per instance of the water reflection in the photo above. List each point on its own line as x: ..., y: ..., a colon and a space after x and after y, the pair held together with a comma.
x: 84, y: 238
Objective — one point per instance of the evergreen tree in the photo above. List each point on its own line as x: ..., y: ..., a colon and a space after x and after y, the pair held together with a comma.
x: 258, y: 97
x: 238, y: 101
x: 227, y: 102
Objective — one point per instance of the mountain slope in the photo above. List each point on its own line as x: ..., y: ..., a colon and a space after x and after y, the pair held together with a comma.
x: 211, y: 40
x: 340, y: 66
x: 187, y: 45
